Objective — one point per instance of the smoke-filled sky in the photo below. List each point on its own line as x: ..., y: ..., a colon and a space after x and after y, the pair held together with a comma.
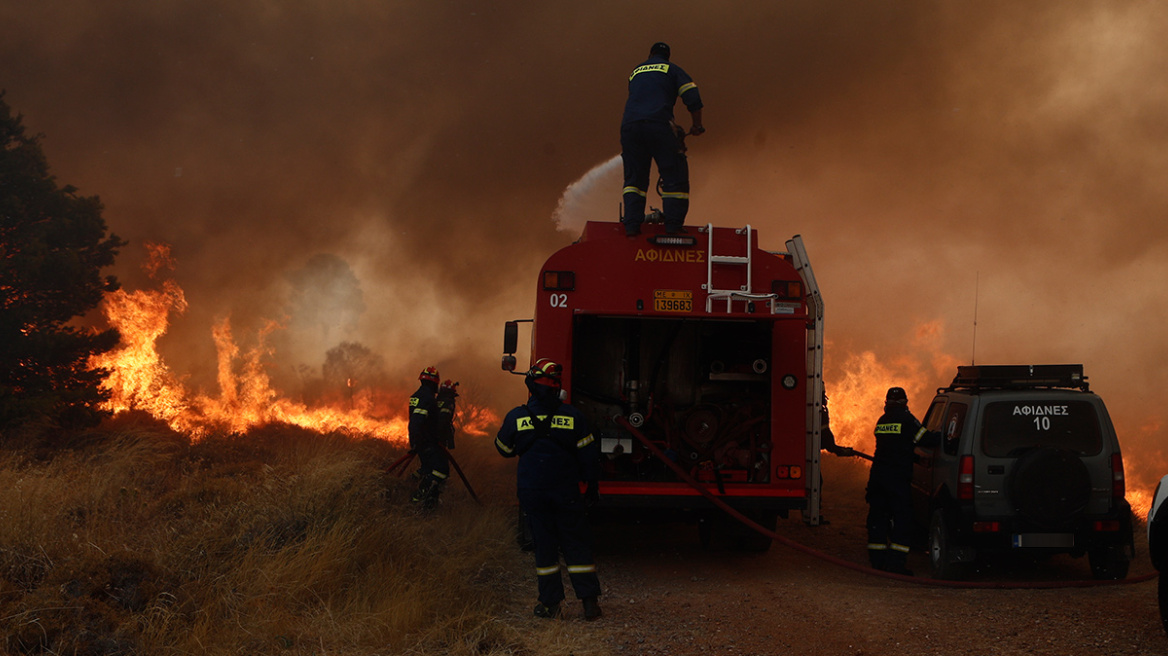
x: 939, y: 157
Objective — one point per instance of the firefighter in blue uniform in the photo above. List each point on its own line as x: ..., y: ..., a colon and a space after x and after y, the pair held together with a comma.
x: 889, y: 496
x: 556, y: 453
x: 648, y: 133
x: 446, y: 402
x: 433, y: 467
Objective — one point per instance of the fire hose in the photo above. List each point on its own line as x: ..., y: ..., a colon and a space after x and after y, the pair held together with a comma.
x: 725, y: 507
x: 404, y: 462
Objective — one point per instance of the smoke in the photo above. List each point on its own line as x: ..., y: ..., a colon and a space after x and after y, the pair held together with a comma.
x: 934, y: 156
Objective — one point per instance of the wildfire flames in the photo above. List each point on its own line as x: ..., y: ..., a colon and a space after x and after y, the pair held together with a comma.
x: 140, y: 380
x: 857, y: 386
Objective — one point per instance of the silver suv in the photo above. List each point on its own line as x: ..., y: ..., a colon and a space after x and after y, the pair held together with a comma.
x: 1028, y: 463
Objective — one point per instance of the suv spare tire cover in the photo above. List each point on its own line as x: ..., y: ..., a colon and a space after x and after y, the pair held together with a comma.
x: 1050, y: 486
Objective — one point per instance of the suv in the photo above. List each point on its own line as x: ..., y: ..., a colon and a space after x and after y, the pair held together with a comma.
x: 1028, y: 462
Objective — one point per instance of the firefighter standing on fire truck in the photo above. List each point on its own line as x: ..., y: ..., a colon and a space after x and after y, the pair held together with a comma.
x: 649, y: 134
x: 556, y: 453
x: 433, y: 467
x: 890, y: 516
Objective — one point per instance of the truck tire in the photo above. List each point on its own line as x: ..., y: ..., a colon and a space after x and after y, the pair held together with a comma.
x: 942, y: 562
x: 751, y: 540
x: 723, y: 531
x: 1109, y: 563
x: 1050, y: 487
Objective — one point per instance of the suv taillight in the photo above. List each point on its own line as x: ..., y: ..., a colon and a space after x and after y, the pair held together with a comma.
x: 965, y: 479
x: 1118, y: 486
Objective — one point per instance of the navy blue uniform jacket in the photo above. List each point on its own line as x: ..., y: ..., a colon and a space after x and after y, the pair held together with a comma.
x: 653, y: 90
x: 897, y: 434
x: 563, y: 456
x: 423, y: 417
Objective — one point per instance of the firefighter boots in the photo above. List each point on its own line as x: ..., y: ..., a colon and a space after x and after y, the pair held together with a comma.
x: 548, y: 612
x: 896, y: 562
x: 591, y: 609
x: 427, y: 493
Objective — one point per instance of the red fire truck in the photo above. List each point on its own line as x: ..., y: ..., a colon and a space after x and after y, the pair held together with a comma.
x: 697, y: 359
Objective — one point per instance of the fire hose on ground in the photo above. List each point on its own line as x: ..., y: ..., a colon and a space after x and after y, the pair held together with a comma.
x: 404, y: 462
x: 722, y: 505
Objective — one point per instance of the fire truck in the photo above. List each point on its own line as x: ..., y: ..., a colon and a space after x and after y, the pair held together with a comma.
x: 697, y: 359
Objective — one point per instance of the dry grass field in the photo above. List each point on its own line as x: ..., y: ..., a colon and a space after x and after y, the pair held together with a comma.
x: 134, y: 540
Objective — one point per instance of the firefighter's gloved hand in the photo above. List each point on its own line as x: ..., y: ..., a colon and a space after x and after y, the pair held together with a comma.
x: 592, y: 494
x: 846, y: 452
x: 697, y: 130
x: 450, y: 442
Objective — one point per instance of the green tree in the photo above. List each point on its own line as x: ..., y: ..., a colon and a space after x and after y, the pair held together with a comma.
x: 53, y: 245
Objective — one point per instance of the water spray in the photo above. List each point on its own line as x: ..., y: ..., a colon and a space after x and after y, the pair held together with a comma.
x: 584, y: 198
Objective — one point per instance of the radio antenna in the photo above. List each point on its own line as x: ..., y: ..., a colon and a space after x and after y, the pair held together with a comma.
x: 976, y: 290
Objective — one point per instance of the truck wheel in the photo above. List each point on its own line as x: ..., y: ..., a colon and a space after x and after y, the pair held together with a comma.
x: 1109, y: 563
x: 706, y: 532
x: 941, y: 545
x: 751, y: 540
x: 723, y: 531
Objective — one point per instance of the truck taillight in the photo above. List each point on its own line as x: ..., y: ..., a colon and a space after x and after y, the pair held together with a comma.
x: 1118, y: 485
x: 562, y: 281
x: 965, y: 479
x: 787, y: 289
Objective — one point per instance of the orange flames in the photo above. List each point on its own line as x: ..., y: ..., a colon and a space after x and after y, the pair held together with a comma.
x: 140, y: 380
x: 1144, y: 464
x: 857, y: 386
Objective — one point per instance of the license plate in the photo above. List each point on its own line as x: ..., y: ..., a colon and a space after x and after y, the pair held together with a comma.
x: 672, y: 300
x: 1044, y: 540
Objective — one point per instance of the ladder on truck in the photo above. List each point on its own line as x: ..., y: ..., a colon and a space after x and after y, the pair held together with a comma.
x: 814, y: 375
x: 743, y: 293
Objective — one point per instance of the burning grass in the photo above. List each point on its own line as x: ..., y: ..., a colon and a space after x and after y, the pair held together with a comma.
x: 282, y: 541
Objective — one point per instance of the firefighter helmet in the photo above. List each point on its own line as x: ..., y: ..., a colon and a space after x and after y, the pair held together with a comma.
x: 896, y: 395
x: 449, y: 386
x: 545, y: 372
x: 660, y: 48
x: 430, y: 374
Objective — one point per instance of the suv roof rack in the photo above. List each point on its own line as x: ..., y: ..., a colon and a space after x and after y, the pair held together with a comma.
x: 1019, y: 376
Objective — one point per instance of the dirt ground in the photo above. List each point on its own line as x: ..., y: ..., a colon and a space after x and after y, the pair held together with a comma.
x: 664, y: 594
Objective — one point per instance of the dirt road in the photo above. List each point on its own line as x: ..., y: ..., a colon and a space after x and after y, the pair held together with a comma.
x: 664, y: 594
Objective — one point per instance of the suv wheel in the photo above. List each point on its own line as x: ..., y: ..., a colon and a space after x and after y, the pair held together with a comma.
x: 1109, y: 563
x: 942, y: 555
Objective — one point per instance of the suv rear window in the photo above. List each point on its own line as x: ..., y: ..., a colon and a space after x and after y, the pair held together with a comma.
x: 1012, y: 427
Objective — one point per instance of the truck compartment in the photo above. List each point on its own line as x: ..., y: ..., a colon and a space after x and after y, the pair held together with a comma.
x: 700, y: 389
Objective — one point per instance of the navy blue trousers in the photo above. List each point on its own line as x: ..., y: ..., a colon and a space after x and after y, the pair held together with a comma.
x: 890, y: 517
x: 559, y: 524
x: 644, y: 142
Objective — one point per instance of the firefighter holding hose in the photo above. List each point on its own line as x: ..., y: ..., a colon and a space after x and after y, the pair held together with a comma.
x: 433, y: 469
x: 648, y: 134
x: 889, y: 496
x: 556, y: 453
